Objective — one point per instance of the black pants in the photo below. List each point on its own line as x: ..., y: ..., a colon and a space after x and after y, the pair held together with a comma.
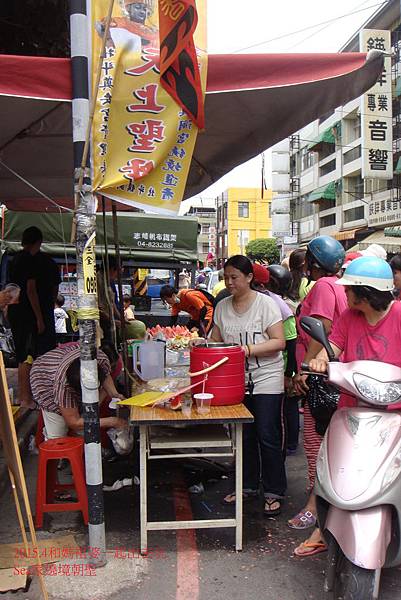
x: 263, y: 445
x: 291, y: 422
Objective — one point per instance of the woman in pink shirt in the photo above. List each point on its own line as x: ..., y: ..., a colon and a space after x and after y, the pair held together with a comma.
x: 370, y: 329
x: 325, y: 301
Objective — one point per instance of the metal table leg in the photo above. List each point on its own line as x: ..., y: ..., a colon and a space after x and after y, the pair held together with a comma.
x: 143, y: 487
x: 238, y: 486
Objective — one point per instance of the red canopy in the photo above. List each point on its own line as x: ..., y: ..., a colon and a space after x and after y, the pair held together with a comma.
x: 252, y: 102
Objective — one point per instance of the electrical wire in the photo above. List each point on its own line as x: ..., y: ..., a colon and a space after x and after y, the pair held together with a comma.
x: 327, y: 22
x: 326, y: 26
x: 59, y: 206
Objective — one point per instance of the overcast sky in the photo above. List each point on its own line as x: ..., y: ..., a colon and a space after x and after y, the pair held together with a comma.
x: 234, y: 25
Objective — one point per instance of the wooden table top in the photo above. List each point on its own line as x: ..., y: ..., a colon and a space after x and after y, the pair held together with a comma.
x: 164, y: 416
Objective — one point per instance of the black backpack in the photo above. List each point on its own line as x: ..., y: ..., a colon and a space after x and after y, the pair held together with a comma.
x: 209, y: 296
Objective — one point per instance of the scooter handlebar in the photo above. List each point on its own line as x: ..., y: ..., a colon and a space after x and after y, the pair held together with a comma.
x: 305, y: 370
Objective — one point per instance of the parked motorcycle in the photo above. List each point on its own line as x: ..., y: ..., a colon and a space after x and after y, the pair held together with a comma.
x: 358, y: 482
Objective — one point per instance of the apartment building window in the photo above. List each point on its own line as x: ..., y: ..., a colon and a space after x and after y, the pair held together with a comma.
x: 352, y: 155
x: 205, y: 248
x: 294, y: 164
x: 327, y: 168
x: 355, y: 188
x: 302, y: 208
x: 356, y: 129
x: 354, y: 214
x: 326, y: 150
x: 307, y: 159
x: 376, y: 185
x: 328, y: 220
x: 325, y: 204
x: 243, y: 239
x: 205, y: 227
x: 243, y: 210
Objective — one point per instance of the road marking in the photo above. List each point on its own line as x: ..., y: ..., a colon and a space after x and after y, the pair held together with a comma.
x: 187, y: 552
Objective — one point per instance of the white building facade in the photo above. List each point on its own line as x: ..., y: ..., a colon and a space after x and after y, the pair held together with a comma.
x: 320, y: 187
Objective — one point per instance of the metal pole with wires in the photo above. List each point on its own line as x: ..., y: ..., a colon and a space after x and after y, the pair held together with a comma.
x: 88, y: 313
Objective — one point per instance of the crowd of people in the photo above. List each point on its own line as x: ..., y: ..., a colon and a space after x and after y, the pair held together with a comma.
x: 259, y: 307
x: 354, y: 295
x: 49, y: 372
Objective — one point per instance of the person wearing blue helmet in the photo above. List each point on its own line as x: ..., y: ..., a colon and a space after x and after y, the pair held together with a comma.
x: 325, y: 301
x: 369, y: 329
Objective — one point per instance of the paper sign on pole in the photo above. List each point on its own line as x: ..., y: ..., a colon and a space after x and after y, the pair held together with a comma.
x: 376, y: 112
x: 89, y: 267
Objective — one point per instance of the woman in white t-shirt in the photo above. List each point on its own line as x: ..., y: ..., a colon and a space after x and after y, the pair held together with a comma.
x: 253, y: 320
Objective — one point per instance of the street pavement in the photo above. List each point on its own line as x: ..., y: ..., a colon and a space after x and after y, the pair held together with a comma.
x: 186, y: 565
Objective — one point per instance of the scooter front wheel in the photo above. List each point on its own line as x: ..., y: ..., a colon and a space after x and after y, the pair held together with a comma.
x: 350, y: 581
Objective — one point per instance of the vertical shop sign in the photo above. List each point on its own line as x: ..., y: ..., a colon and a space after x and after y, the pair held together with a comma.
x: 376, y: 112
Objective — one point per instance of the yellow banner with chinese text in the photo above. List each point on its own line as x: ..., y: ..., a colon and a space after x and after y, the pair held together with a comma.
x: 142, y: 141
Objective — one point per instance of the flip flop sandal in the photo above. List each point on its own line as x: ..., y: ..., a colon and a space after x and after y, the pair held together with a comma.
x: 230, y: 498
x: 312, y: 548
x: 303, y: 520
x: 268, y: 510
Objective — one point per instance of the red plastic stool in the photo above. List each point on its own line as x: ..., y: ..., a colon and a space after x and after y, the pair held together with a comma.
x: 50, y: 453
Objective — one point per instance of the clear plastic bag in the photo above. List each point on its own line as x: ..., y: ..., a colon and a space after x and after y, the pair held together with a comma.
x: 122, y: 440
x: 168, y: 384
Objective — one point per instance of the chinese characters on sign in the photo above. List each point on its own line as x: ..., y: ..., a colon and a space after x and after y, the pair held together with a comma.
x: 376, y: 112
x: 384, y: 212
x: 212, y: 240
x: 89, y: 267
x: 161, y: 241
x: 142, y: 140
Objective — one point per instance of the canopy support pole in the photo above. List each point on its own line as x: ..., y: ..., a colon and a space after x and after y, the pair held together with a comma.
x: 106, y: 274
x: 88, y: 312
x: 121, y: 303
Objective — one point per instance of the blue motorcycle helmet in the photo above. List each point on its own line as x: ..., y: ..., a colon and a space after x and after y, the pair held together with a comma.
x: 369, y: 271
x: 326, y: 253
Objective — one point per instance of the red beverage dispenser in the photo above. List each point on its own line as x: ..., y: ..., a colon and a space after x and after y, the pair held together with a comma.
x: 227, y: 381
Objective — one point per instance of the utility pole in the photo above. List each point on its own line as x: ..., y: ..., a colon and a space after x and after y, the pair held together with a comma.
x: 88, y: 313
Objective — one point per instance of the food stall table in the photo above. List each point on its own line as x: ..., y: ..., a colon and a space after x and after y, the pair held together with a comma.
x: 204, y: 431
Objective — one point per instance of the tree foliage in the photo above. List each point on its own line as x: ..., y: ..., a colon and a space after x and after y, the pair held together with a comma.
x: 264, y: 249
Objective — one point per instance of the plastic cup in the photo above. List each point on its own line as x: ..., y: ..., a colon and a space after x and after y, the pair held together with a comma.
x: 203, y: 402
x: 113, y: 403
x: 13, y: 291
x: 186, y: 405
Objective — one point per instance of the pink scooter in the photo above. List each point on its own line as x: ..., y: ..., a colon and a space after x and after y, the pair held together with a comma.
x: 358, y: 483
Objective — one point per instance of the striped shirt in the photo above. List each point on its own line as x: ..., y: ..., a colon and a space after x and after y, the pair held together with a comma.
x: 48, y: 378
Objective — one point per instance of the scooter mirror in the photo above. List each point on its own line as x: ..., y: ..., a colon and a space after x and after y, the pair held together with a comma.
x: 315, y: 329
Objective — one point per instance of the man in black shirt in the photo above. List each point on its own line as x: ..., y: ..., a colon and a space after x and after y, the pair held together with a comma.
x: 32, y: 319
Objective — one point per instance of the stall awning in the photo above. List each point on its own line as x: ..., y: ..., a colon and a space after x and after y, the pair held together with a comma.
x: 389, y: 243
x: 144, y: 237
x: 325, y: 137
x: 397, y: 170
x: 347, y: 235
x: 325, y: 192
x: 252, y: 102
x: 393, y: 231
